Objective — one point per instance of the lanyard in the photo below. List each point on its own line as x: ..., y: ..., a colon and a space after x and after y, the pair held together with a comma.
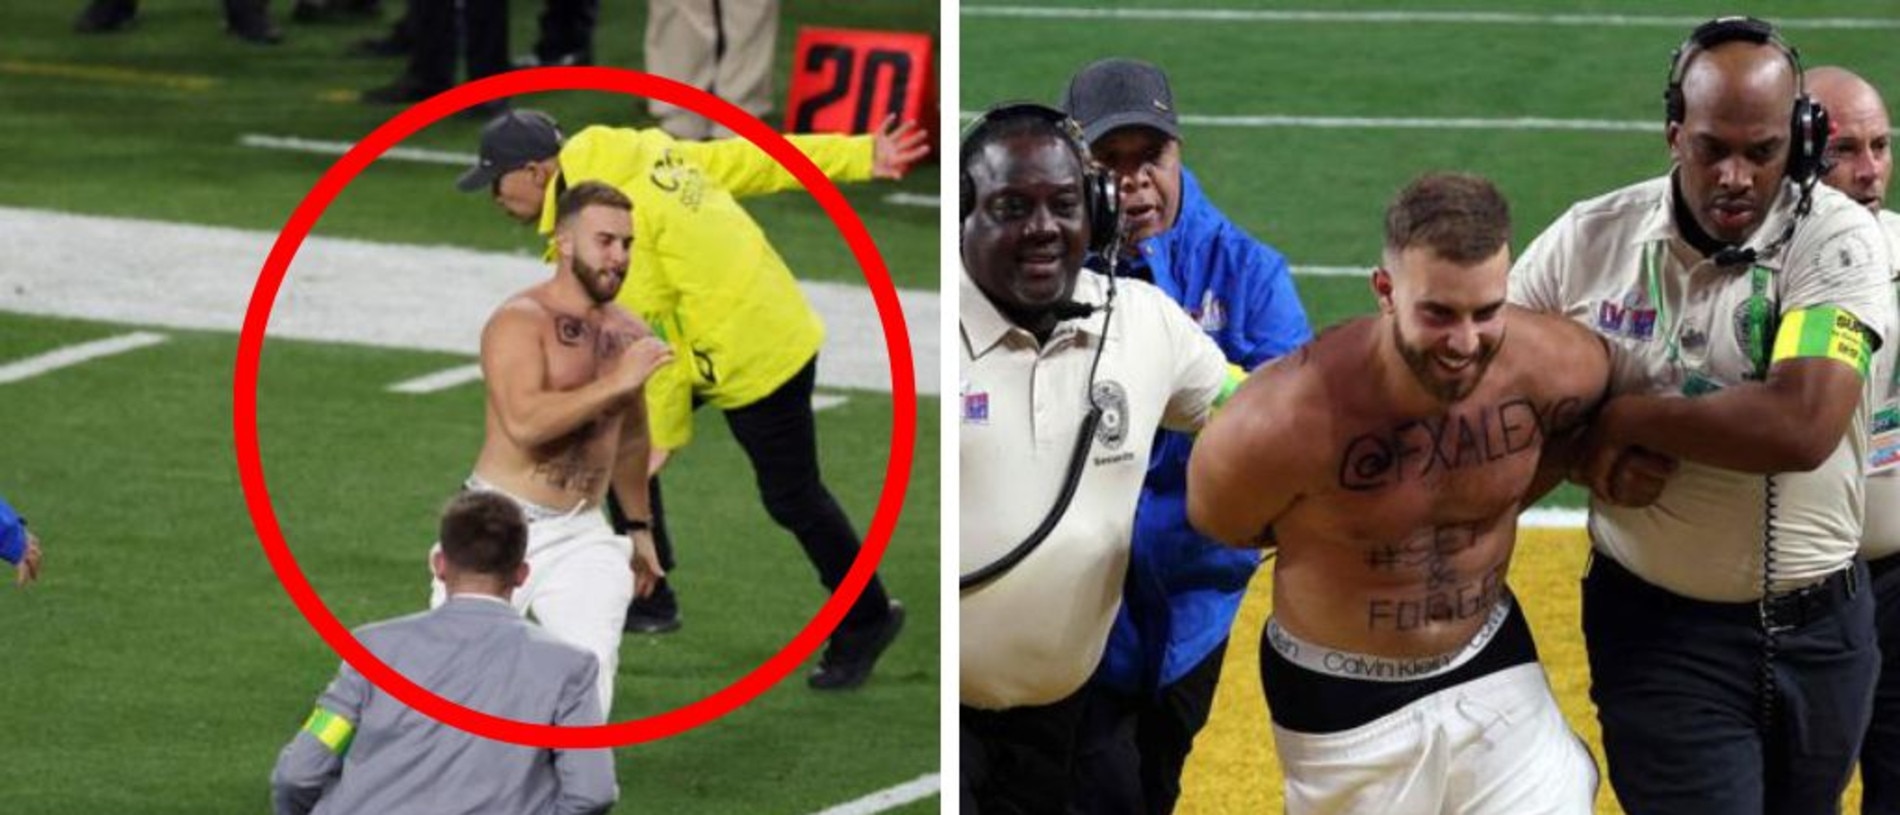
x: 1756, y: 327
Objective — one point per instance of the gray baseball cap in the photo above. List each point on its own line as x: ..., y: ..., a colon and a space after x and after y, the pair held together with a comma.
x: 1115, y: 93
x: 510, y: 141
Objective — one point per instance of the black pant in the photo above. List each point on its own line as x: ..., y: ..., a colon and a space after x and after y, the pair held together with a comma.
x: 780, y: 435
x: 1130, y: 750
x: 481, y: 31
x: 567, y: 26
x: 1880, y: 756
x: 1678, y: 688
x: 1017, y: 761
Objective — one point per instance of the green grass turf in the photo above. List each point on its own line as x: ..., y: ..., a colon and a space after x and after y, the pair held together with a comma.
x: 141, y: 146
x: 160, y: 652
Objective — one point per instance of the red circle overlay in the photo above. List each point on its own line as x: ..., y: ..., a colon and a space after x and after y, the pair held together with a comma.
x: 257, y: 495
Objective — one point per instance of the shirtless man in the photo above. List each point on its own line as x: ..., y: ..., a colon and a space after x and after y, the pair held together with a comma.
x: 566, y: 419
x: 1388, y: 461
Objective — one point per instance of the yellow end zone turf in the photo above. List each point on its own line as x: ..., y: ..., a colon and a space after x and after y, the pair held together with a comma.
x: 1233, y: 768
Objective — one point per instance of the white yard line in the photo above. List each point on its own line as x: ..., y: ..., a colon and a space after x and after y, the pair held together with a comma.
x: 916, y: 789
x: 1415, y: 123
x: 1235, y: 15
x: 429, y: 298
x: 298, y: 144
x: 440, y: 380
x: 76, y: 354
x: 824, y: 401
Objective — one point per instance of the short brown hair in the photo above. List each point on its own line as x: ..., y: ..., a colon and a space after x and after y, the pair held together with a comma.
x: 484, y: 531
x: 1463, y: 218
x: 587, y: 194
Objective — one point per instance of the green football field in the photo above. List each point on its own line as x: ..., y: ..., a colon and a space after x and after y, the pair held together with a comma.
x: 1301, y: 126
x: 159, y: 665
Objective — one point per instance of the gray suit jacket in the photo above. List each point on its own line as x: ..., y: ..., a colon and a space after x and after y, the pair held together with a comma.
x: 483, y: 655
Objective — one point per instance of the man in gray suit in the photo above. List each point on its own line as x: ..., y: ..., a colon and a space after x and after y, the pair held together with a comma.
x: 364, y: 751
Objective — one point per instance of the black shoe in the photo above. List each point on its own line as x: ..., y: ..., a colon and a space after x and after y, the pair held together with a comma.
x: 256, y: 32
x: 570, y: 59
x: 379, y: 47
x: 658, y: 613
x: 853, y: 652
x: 404, y: 91
x: 104, y: 16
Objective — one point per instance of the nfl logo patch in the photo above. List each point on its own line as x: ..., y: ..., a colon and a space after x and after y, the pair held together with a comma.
x: 976, y: 408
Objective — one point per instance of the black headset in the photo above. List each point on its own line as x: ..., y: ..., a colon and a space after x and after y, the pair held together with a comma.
x: 1808, y: 124
x: 1101, y: 202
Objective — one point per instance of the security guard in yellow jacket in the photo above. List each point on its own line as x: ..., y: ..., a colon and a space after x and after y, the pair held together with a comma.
x: 707, y: 280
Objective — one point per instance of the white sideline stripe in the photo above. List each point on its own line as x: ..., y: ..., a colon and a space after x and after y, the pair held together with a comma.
x: 1456, y: 17
x: 1333, y: 271
x: 911, y: 199
x: 1416, y: 123
x: 915, y: 789
x: 1552, y: 518
x: 157, y: 275
x: 75, y: 354
x: 337, y: 148
x: 440, y: 380
x: 823, y: 401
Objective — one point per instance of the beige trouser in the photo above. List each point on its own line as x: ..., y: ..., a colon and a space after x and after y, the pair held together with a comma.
x: 683, y: 43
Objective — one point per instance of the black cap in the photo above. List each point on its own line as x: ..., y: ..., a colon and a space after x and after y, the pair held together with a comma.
x: 1115, y: 93
x: 510, y: 141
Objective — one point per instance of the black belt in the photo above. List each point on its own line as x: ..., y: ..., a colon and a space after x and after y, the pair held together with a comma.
x: 1793, y: 609
x: 1779, y: 611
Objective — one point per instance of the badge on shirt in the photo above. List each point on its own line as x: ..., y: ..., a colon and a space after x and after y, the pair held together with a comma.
x: 976, y: 407
x: 1629, y: 318
x: 1884, y: 440
x: 1212, y: 314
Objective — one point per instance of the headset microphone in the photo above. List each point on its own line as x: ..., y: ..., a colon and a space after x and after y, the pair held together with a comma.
x: 1071, y: 310
x: 1734, y: 256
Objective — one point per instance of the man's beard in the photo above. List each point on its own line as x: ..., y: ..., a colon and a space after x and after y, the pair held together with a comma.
x: 1431, y: 378
x: 590, y: 280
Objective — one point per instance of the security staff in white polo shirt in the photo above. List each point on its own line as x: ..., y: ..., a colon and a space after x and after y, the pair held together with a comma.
x: 1065, y: 377
x: 1861, y: 155
x: 1729, y: 626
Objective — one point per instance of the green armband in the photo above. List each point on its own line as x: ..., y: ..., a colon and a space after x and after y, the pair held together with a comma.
x: 1826, y: 332
x: 334, y: 731
x: 1236, y: 376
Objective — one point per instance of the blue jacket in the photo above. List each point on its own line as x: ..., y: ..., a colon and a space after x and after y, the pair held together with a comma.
x: 12, y: 534
x: 1183, y: 590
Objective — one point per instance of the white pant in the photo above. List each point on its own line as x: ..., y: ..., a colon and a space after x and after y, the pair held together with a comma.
x: 579, y: 585
x: 1497, y: 744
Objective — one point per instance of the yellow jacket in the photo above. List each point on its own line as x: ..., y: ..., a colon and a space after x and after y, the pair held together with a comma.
x: 703, y: 274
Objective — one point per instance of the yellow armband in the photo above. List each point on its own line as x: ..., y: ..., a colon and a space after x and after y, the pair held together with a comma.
x: 1236, y: 376
x: 334, y: 731
x: 1823, y: 332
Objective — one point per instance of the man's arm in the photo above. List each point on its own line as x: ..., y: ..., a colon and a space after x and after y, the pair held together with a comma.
x: 1243, y: 473
x: 516, y: 372
x: 743, y: 169
x: 313, y: 760
x: 1277, y: 320
x: 585, y: 777
x: 1790, y: 423
x: 630, y: 474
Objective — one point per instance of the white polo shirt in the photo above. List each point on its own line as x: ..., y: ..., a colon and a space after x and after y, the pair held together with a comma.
x: 1679, y: 325
x: 1035, y: 634
x: 1882, y: 536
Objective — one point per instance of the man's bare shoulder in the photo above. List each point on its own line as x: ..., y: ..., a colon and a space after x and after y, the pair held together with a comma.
x: 1287, y: 406
x: 1555, y: 355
